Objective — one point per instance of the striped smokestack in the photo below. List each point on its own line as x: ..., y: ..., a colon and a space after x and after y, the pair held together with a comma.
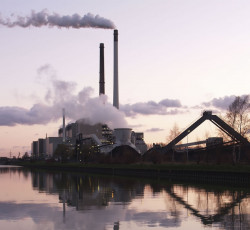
x: 102, y: 78
x: 116, y: 88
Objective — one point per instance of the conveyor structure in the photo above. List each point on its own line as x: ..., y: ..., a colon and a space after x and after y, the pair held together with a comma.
x: 207, y: 115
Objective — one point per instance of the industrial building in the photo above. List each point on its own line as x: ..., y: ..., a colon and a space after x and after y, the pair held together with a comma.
x: 45, y: 147
x: 34, y: 149
x: 70, y: 132
x: 99, y: 136
x: 102, y: 137
x: 51, y: 145
x: 38, y: 148
x: 138, y: 140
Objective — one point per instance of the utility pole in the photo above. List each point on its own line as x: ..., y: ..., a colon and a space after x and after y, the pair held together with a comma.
x: 187, y: 144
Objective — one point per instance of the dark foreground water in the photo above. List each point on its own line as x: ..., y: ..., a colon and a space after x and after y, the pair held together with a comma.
x: 56, y: 200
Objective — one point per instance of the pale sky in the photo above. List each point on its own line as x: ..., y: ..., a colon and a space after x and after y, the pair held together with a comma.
x: 174, y: 56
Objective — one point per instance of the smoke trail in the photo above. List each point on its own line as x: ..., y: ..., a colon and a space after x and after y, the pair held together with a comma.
x: 44, y: 18
x: 61, y: 94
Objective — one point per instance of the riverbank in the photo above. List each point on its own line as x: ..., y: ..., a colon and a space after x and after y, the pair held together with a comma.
x: 222, y: 174
x: 243, y: 168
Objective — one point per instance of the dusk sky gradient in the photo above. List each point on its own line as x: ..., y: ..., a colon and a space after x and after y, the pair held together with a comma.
x: 176, y: 59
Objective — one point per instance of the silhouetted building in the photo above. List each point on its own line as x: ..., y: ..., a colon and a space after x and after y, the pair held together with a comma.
x: 41, y: 147
x: 34, y: 149
x: 51, y: 144
x: 138, y: 140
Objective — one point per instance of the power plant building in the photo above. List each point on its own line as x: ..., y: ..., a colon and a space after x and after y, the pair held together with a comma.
x: 70, y: 132
x: 86, y: 129
x: 99, y: 135
x: 41, y: 147
x: 51, y: 145
x: 138, y: 140
x: 45, y: 147
x: 34, y: 149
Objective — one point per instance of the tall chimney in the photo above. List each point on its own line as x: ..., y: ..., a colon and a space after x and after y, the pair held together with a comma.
x: 64, y: 133
x: 102, y: 80
x: 116, y: 89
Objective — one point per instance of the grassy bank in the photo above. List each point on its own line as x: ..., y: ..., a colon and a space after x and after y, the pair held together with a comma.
x: 240, y: 168
x: 238, y: 175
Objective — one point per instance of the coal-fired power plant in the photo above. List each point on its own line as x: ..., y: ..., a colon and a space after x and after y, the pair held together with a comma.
x: 98, y: 137
x: 102, y: 75
x: 116, y: 88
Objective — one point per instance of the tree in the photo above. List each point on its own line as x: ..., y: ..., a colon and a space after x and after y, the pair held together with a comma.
x: 237, y: 115
x: 25, y: 155
x: 64, y: 152
x: 173, y: 133
x: 237, y: 118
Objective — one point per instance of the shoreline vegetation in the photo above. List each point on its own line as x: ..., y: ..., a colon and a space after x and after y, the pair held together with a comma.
x: 244, y: 168
x: 209, y: 173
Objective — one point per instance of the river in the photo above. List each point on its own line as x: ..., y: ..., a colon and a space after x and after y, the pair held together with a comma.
x: 39, y: 199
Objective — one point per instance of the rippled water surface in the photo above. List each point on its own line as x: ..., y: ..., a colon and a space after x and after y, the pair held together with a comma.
x: 33, y: 199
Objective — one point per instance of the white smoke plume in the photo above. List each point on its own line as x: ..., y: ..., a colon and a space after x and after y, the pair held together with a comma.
x: 61, y: 94
x: 44, y: 18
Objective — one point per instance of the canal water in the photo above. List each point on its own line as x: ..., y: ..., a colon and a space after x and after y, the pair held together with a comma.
x: 38, y: 199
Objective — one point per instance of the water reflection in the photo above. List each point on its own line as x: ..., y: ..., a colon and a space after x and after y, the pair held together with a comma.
x: 78, y: 201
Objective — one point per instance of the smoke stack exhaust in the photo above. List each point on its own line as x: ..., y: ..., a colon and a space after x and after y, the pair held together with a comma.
x: 64, y: 133
x: 44, y: 18
x: 116, y: 89
x: 102, y: 77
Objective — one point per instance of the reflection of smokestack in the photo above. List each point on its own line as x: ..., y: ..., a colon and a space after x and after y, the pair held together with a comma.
x: 64, y: 133
x: 116, y: 89
x: 102, y: 80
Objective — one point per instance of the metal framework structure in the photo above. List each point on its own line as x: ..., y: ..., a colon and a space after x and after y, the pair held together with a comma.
x: 207, y: 115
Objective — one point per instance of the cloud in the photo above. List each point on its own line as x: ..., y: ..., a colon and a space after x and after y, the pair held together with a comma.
x: 45, y: 69
x: 152, y: 108
x: 221, y: 103
x: 61, y: 94
x: 154, y: 130
x: 170, y: 103
x: 136, y: 126
x: 37, y: 114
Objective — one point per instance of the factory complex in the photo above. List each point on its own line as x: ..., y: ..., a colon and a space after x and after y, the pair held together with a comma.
x: 97, y: 137
x: 81, y: 137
